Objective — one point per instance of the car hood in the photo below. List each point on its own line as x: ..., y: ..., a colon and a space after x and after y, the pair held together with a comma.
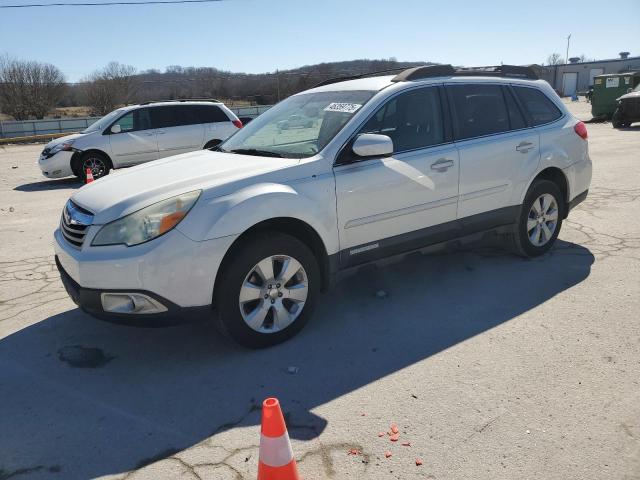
x: 214, y: 173
x: 66, y: 138
x: 630, y: 95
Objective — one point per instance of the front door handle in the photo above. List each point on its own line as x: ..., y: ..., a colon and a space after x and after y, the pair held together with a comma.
x: 524, y: 147
x: 161, y: 133
x: 442, y: 165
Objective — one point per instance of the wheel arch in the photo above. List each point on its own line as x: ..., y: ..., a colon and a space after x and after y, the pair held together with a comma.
x: 557, y: 176
x: 212, y: 143
x: 75, y: 158
x: 291, y: 226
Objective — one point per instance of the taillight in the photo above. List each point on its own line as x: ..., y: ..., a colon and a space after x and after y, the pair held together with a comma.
x: 581, y: 129
x: 237, y: 123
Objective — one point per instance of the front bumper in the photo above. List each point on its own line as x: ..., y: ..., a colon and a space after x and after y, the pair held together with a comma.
x: 90, y: 300
x: 173, y: 270
x: 56, y: 166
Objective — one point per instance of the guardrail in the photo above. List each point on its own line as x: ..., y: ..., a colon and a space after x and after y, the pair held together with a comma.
x: 36, y: 128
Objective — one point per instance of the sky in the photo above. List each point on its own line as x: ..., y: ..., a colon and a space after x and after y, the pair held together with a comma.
x: 256, y: 36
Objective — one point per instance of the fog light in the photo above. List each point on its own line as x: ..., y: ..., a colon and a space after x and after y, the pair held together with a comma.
x: 130, y: 303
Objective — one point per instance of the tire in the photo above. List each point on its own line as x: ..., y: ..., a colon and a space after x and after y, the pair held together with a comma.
x: 241, y: 275
x: 98, y: 162
x: 530, y: 240
x: 211, y: 144
x: 616, y: 119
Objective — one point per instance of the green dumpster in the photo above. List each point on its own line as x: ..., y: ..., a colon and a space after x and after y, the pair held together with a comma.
x: 608, y: 87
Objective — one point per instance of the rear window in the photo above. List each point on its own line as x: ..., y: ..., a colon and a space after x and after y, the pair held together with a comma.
x: 537, y: 106
x: 478, y: 110
x: 210, y: 114
x: 181, y: 115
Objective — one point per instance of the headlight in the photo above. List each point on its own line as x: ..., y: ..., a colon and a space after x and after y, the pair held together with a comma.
x: 148, y: 223
x: 66, y: 146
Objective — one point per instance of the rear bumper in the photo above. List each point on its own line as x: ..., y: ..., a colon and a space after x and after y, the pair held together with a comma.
x: 90, y: 300
x: 578, y: 199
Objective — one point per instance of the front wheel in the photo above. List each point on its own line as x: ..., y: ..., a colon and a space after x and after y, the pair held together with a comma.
x: 97, y: 162
x: 267, y: 290
x: 540, y: 219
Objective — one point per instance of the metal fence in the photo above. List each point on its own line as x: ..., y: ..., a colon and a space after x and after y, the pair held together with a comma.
x: 27, y: 128
x: 44, y: 127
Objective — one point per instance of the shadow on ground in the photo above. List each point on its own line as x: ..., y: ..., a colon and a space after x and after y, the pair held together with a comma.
x: 61, y: 184
x: 81, y: 398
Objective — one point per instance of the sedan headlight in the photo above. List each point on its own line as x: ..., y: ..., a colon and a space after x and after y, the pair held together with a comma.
x: 148, y: 223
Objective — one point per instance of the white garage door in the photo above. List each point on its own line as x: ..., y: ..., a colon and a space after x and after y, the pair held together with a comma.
x: 569, y: 84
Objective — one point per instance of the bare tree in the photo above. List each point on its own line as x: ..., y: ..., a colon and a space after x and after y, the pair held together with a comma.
x: 114, y: 85
x: 555, y: 59
x: 28, y: 88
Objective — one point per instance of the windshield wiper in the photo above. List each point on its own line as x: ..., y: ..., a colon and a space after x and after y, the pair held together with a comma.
x: 254, y: 151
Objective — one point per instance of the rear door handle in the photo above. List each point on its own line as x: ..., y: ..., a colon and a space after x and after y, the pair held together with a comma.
x: 442, y: 165
x: 524, y: 147
x: 161, y: 133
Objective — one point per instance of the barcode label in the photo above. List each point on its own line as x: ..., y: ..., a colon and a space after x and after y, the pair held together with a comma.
x: 343, y: 107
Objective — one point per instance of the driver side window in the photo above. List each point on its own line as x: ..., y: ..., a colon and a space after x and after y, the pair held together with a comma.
x: 413, y: 120
x: 135, y: 120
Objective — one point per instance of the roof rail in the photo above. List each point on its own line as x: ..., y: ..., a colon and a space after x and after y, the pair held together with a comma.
x: 182, y: 100
x: 427, y: 71
x: 354, y: 77
x: 430, y: 71
x: 514, y: 71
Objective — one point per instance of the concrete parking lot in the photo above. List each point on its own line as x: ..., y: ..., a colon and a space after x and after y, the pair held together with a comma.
x: 492, y: 366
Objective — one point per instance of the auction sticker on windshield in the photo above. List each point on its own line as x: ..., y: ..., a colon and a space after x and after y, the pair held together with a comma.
x: 342, y: 107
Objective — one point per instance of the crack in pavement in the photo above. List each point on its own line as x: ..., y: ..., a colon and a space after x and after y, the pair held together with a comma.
x: 28, y: 284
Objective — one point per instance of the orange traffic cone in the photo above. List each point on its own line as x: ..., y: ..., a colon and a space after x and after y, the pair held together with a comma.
x: 276, y: 460
x: 89, y: 176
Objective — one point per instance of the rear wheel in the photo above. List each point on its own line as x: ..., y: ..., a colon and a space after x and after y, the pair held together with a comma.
x: 267, y: 290
x: 540, y: 219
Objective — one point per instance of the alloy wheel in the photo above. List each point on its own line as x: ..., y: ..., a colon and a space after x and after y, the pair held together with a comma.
x: 273, y: 294
x: 543, y: 220
x: 97, y: 166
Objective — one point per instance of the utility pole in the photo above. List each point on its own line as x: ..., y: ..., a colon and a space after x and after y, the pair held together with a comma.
x: 566, y: 58
x: 278, y: 84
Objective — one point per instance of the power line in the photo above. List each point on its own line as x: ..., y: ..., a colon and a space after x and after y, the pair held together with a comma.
x: 102, y: 4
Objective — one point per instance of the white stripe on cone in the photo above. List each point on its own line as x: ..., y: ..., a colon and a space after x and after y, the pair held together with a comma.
x: 275, y: 451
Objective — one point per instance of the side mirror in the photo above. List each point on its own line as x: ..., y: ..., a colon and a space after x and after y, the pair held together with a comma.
x: 372, y: 145
x: 116, y: 129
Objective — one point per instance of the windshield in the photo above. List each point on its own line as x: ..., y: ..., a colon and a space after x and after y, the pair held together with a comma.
x: 299, y: 126
x: 103, y: 122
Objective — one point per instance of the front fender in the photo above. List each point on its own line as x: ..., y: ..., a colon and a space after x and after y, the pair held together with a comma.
x: 235, y: 213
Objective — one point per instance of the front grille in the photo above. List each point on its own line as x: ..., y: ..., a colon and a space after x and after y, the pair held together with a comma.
x: 74, y: 223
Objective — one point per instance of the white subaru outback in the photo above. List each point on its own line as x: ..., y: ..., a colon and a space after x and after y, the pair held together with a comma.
x: 388, y: 164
